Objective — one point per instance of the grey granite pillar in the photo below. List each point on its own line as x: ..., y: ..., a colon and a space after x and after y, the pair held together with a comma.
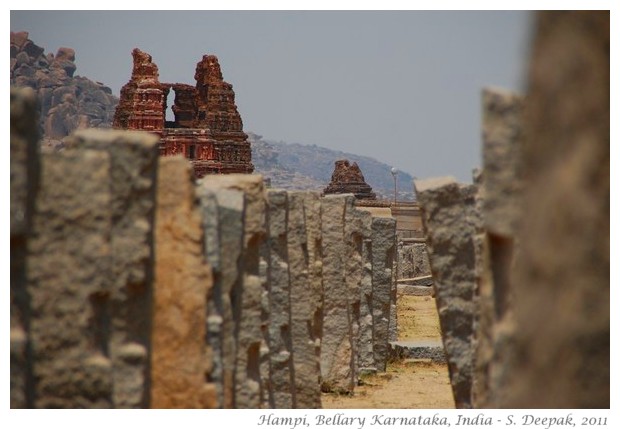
x: 247, y: 304
x: 133, y: 168
x: 383, y: 248
x: 365, y: 344
x: 280, y: 341
x: 337, y: 373
x: 223, y: 211
x: 70, y: 260
x: 303, y: 303
x: 449, y: 233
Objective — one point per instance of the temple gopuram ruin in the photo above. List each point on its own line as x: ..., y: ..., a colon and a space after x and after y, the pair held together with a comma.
x: 347, y: 178
x: 207, y: 128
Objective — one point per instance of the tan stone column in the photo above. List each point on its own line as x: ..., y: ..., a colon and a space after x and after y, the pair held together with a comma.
x: 182, y: 281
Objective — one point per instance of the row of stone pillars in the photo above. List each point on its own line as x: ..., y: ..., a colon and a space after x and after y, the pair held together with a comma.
x: 134, y: 286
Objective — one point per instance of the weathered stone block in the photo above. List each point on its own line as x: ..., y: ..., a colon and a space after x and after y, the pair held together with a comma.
x: 133, y: 169
x: 365, y: 344
x: 445, y: 210
x: 356, y: 224
x: 383, y: 297
x: 24, y: 186
x: 501, y: 213
x: 484, y: 318
x: 303, y: 302
x: 222, y: 216
x: 69, y: 282
x: 280, y: 342
x: 501, y: 152
x: 337, y: 373
x: 314, y: 239
x: 247, y: 304
x: 562, y: 286
x: 182, y: 279
x: 209, y: 213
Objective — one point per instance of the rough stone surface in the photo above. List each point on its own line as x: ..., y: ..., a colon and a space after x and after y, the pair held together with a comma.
x: 222, y: 216
x: 562, y: 285
x: 348, y: 179
x: 70, y: 282
x: 209, y: 212
x: 24, y: 184
x: 414, y: 290
x: 501, y: 207
x: 365, y: 345
x: 355, y: 230
x: 303, y: 301
x: 133, y: 160
x: 280, y: 342
x: 314, y: 240
x: 449, y: 235
x: 417, y: 281
x: 247, y: 305
x: 501, y: 152
x: 484, y: 319
x: 207, y: 128
x: 66, y: 102
x: 383, y: 248
x: 421, y: 264
x: 182, y: 279
x: 393, y: 326
x: 432, y: 350
x: 337, y: 374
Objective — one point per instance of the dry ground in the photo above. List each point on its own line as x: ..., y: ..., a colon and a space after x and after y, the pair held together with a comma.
x: 407, y: 384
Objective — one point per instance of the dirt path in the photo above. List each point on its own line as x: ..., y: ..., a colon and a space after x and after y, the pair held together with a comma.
x: 407, y: 384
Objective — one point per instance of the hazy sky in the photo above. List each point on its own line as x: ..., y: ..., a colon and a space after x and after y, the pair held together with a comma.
x: 400, y: 86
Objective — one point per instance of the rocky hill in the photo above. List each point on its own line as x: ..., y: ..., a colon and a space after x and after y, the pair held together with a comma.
x: 297, y: 166
x: 67, y: 102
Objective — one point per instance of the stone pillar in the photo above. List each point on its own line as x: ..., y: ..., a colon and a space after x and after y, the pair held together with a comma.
x: 24, y: 187
x: 246, y: 305
x: 133, y: 160
x: 449, y: 235
x: 383, y: 248
x: 393, y: 264
x: 303, y: 300
x: 365, y: 344
x: 222, y: 217
x: 501, y: 206
x: 209, y: 213
x: 337, y: 373
x: 355, y: 222
x: 182, y: 280
x: 264, y: 352
x: 421, y: 264
x: 483, y: 299
x: 562, y: 283
x: 70, y: 261
x: 280, y: 345
x: 314, y: 239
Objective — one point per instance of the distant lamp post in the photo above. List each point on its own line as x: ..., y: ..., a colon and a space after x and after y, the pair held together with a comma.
x: 394, y: 172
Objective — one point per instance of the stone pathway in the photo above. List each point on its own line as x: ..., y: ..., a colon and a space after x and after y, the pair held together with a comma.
x: 420, y: 380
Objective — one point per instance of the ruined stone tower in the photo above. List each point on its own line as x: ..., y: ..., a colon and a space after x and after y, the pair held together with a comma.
x: 207, y: 128
x: 348, y: 179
